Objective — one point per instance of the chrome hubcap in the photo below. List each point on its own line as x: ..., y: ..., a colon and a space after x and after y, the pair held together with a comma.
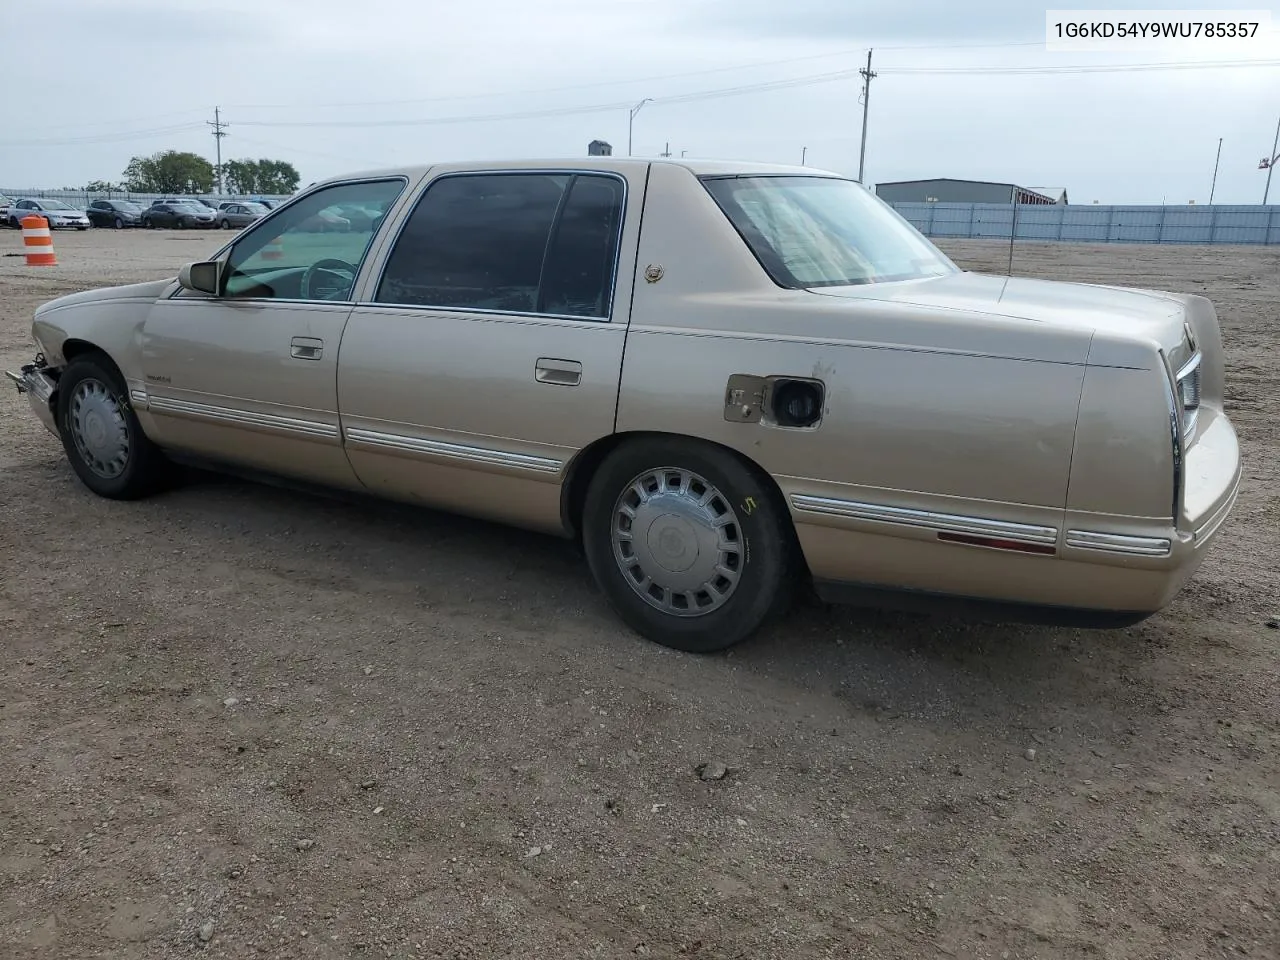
x: 678, y: 542
x: 99, y: 429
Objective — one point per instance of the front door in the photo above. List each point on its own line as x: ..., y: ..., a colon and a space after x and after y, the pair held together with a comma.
x: 489, y: 351
x: 250, y: 377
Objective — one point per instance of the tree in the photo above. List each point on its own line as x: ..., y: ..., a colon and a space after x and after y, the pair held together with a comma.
x: 169, y: 172
x: 103, y: 186
x: 261, y: 176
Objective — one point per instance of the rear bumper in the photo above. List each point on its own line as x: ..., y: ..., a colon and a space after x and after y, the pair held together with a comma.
x: 38, y: 387
x: 1086, y: 568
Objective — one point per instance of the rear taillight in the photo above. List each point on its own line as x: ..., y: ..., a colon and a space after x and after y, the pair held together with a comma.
x: 1188, y: 393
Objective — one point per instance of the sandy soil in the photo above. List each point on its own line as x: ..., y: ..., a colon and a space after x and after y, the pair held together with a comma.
x: 241, y: 721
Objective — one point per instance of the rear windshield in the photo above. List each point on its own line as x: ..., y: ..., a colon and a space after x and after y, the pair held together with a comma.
x: 824, y: 231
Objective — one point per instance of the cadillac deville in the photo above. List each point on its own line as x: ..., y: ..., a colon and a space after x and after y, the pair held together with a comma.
x: 724, y: 379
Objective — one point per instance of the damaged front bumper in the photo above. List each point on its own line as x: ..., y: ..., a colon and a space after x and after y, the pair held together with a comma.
x: 35, y: 382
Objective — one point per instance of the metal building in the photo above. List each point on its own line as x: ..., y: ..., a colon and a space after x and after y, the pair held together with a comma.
x: 947, y: 190
x: 599, y: 148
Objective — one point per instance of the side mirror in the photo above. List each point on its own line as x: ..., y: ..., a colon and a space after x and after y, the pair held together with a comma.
x: 202, y: 277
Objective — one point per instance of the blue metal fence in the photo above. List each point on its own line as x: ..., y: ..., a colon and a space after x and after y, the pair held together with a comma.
x: 1219, y: 223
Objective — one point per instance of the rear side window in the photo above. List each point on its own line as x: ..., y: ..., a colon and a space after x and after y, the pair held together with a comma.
x: 529, y: 243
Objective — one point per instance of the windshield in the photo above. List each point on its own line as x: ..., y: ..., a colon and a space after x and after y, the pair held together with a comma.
x: 254, y: 207
x: 127, y: 206
x: 55, y: 205
x: 824, y: 231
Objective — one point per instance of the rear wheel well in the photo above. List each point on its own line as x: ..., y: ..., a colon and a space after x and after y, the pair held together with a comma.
x: 583, y: 467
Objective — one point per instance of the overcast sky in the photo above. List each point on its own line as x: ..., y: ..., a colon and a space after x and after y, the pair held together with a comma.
x: 91, y: 83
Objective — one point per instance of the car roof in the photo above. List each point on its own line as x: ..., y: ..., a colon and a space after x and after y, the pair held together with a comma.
x: 613, y: 164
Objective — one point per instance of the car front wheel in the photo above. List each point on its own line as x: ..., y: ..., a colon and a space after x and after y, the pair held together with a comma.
x: 101, y: 434
x: 691, y: 546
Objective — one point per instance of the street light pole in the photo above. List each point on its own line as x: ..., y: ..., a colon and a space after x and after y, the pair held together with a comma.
x: 631, y: 120
x: 1268, y: 165
x: 1215, y: 172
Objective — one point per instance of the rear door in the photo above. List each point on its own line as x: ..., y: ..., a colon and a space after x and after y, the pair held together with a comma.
x: 488, y: 352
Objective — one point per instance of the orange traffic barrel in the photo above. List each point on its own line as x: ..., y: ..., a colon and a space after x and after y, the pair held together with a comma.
x: 38, y: 240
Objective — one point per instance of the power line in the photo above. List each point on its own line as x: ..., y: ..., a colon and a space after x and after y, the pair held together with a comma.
x: 1080, y: 68
x: 838, y: 54
x: 107, y: 137
x: 566, y: 111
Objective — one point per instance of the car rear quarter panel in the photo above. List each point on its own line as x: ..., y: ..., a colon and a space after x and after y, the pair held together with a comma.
x: 926, y: 408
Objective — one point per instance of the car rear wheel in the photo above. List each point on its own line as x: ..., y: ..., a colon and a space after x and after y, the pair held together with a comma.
x: 226, y: 224
x: 101, y: 435
x: 690, y: 545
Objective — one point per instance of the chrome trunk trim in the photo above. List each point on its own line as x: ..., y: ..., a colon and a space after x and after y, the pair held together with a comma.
x: 1119, y: 543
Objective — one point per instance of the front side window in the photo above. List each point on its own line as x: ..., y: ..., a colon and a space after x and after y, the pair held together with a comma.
x: 822, y: 231
x: 540, y: 243
x: 307, y: 251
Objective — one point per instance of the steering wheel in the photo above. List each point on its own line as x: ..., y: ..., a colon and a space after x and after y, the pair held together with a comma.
x: 329, y: 265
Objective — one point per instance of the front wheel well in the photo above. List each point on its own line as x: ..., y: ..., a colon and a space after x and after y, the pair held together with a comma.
x: 74, y: 349
x: 584, y: 466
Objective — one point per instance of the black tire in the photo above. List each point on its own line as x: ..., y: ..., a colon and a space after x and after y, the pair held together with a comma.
x: 147, y: 224
x: 182, y: 223
x: 145, y: 469
x: 766, y: 559
x: 226, y: 224
x: 119, y: 224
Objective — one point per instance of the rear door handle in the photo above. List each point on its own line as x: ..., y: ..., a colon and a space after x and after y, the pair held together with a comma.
x: 565, y: 373
x: 306, y: 348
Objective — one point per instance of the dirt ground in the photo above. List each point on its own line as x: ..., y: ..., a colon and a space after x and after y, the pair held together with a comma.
x: 240, y: 721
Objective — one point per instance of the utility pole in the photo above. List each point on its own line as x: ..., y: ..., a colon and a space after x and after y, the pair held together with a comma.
x: 1215, y: 171
x: 867, y: 75
x: 219, y: 132
x: 666, y: 152
x: 804, y: 152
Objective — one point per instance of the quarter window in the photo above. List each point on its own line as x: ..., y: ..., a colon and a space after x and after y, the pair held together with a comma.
x: 308, y: 251
x: 540, y: 243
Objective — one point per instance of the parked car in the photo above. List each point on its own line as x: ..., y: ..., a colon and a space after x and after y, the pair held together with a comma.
x: 237, y: 214
x: 181, y: 214
x: 115, y: 213
x: 194, y: 201
x: 810, y: 390
x: 58, y: 214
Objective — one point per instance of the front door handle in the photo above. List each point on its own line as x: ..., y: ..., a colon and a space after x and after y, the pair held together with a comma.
x: 565, y: 373
x: 306, y: 348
